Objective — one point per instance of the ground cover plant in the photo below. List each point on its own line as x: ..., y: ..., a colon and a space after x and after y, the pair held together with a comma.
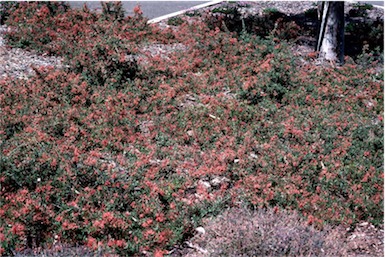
x: 128, y: 151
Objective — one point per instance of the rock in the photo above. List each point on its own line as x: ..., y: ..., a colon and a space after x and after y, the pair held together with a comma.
x: 200, y: 230
x: 205, y: 184
x: 215, y: 182
x: 3, y: 51
x: 364, y: 224
x: 253, y: 155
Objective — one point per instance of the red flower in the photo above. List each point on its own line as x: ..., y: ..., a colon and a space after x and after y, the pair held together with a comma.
x: 164, y: 236
x: 311, y: 219
x: 159, y: 253
x: 18, y: 229
x: 160, y: 217
x: 117, y: 243
x: 99, y: 224
x: 92, y: 243
x: 137, y: 10
x: 147, y: 223
x: 108, y: 216
x: 69, y: 225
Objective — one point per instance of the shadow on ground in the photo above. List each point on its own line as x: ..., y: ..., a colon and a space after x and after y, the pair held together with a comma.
x: 362, y: 30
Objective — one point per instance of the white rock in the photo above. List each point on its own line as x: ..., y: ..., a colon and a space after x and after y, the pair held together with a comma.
x: 218, y: 181
x: 200, y: 230
x: 190, y: 133
x: 253, y: 155
x: 205, y: 184
x: 364, y: 224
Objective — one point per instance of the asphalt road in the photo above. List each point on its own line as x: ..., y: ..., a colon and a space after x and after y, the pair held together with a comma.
x: 151, y: 9
x: 379, y: 3
x: 154, y: 9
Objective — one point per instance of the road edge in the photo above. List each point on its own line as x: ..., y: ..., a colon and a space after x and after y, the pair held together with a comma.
x: 374, y: 5
x: 170, y: 15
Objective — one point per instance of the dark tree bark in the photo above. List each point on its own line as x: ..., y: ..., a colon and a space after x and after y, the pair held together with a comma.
x: 331, y: 37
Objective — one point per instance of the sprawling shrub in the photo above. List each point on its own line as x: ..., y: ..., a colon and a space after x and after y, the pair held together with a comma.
x: 89, y: 42
x: 113, y: 10
x: 108, y: 155
x: 102, y: 59
x: 42, y: 14
x: 228, y: 17
x: 6, y: 8
x: 274, y: 77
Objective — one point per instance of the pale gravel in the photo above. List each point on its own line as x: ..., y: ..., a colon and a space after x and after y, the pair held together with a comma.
x: 18, y: 63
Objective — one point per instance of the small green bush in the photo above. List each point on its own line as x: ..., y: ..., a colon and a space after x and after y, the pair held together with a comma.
x: 276, y: 75
x: 113, y: 10
x: 175, y: 21
x: 6, y: 8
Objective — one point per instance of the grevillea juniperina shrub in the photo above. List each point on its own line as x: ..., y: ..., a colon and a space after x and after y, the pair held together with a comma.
x: 228, y: 17
x: 91, y: 44
x: 130, y: 155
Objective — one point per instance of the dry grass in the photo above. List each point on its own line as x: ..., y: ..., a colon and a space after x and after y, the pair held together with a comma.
x: 241, y: 232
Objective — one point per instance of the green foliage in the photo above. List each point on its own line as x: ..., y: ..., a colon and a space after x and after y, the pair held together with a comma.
x: 193, y: 13
x: 175, y: 21
x: 105, y: 60
x: 272, y: 22
x: 112, y: 10
x: 277, y: 73
x: 270, y: 10
x: 6, y: 8
x: 225, y: 10
x: 360, y: 10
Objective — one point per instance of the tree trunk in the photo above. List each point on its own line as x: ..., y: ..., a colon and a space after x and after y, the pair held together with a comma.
x: 331, y: 37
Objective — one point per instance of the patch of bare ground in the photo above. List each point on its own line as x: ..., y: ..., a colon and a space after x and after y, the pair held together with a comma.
x: 16, y: 62
x: 241, y: 232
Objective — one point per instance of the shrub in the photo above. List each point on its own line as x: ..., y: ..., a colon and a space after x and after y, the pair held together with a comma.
x: 42, y: 15
x: 363, y: 33
x: 102, y: 58
x: 271, y: 22
x: 62, y: 168
x: 274, y: 77
x: 113, y: 11
x: 175, y: 21
x: 109, y: 155
x: 6, y: 8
